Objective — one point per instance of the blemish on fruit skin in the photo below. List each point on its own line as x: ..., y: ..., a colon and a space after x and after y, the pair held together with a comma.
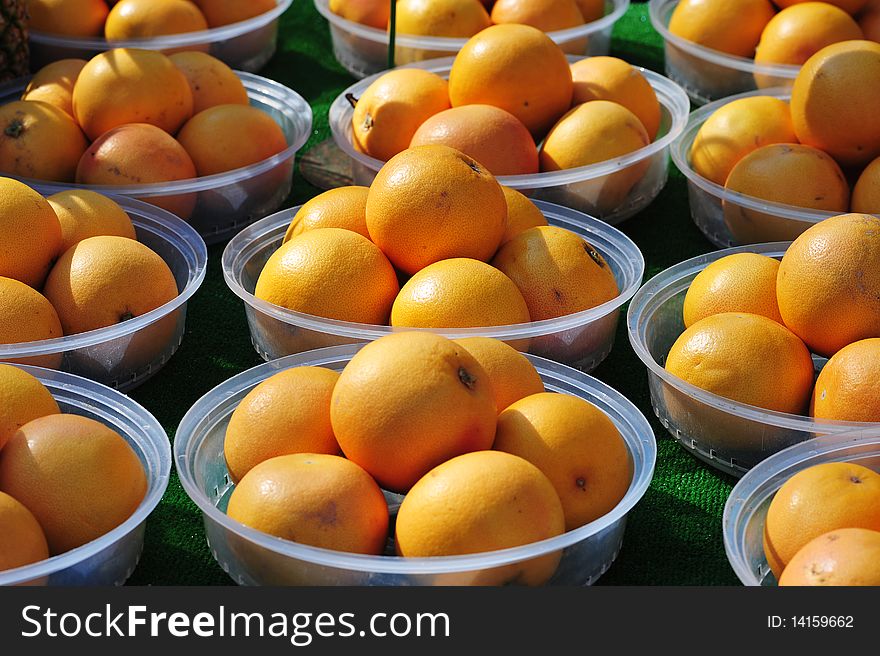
x: 581, y: 483
x: 466, y: 378
x: 855, y: 479
x: 126, y: 316
x: 558, y: 295
x: 594, y: 255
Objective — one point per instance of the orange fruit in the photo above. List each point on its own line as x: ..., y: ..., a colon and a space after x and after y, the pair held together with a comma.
x: 210, y: 80
x: 522, y: 214
x: 847, y: 556
x: 832, y: 102
x: 459, y: 293
x: 79, y: 18
x: 746, y: 358
x: 816, y: 500
x: 53, y: 84
x: 22, y: 541
x: 343, y: 207
x: 828, y: 286
x: 30, y: 235
x: 546, y: 15
x: 866, y: 192
x: 409, y: 401
x: 517, y: 68
x: 78, y: 477
x: 846, y: 389
x: 449, y: 18
x: 591, y: 10
x: 391, y: 109
x: 287, y: 413
x: 227, y: 137
x: 27, y: 316
x: 225, y: 12
x: 374, y: 13
x: 711, y: 24
x: 432, y: 203
x: 735, y: 130
x: 83, y: 214
x: 791, y: 174
x: 143, y: 19
x: 315, y: 499
x: 557, y: 272
x: 127, y: 85
x: 517, y: 505
x: 22, y: 398
x: 139, y: 154
x: 492, y: 136
x: 332, y: 273
x: 851, y: 7
x: 869, y: 20
x: 102, y: 281
x: 511, y: 375
x: 610, y: 78
x: 576, y: 445
x: 38, y: 140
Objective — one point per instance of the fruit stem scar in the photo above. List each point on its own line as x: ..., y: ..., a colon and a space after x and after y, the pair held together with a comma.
x: 855, y: 479
x: 14, y: 129
x: 594, y: 255
x: 581, y: 483
x: 466, y: 378
x: 351, y: 99
x: 126, y: 316
x: 368, y: 122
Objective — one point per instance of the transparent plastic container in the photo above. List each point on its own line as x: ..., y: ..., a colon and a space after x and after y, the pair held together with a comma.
x: 251, y: 557
x: 110, y: 559
x: 605, y: 190
x: 581, y: 340
x: 746, y: 509
x: 245, y: 46
x: 708, y: 74
x: 363, y: 50
x: 226, y: 202
x: 730, y: 436
x: 126, y: 354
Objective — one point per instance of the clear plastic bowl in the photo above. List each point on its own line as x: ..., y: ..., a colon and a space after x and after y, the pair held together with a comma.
x: 363, y: 50
x: 730, y: 436
x: 746, y: 507
x: 729, y: 218
x: 225, y: 202
x: 246, y: 46
x: 110, y: 559
x: 124, y: 355
x: 708, y: 74
x: 251, y: 557
x: 581, y: 340
x: 604, y: 189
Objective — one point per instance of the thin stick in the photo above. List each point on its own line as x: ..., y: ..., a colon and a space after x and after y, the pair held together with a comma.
x: 392, y: 32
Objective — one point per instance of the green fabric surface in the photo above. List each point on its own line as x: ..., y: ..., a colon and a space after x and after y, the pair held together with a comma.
x: 673, y: 535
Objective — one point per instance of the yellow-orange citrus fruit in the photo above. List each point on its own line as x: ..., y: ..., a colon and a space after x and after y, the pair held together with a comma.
x: 83, y: 214
x: 80, y: 18
x: 143, y: 19
x: 816, y: 500
x: 851, y: 7
x: 711, y: 24
x: 522, y: 214
x: 226, y: 12
x: 847, y: 556
x: 78, y: 477
x: 828, y: 286
x: 409, y: 401
x: 343, y: 207
x: 210, y: 80
x: 449, y: 18
x: 22, y: 398
x: 30, y: 235
x: 54, y: 83
x: 22, y: 541
x: 546, y: 15
x: 511, y: 375
x: 374, y: 13
x: 746, y: 358
x: 27, y: 316
x: 433, y: 203
x: 847, y: 389
x: 866, y: 192
x: 332, y: 273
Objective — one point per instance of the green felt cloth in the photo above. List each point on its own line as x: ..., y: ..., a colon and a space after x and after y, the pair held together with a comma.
x: 672, y: 537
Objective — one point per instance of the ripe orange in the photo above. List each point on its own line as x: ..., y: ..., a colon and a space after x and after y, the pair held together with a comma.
x: 851, y: 7
x: 103, y: 281
x: 546, y: 15
x: 143, y: 19
x: 511, y: 375
x: 591, y: 10
x: 286, y: 413
x: 557, y: 272
x: 522, y: 214
x: 80, y: 18
x: 828, y: 286
x: 517, y: 506
x: 22, y: 541
x: 343, y: 207
x: 866, y: 192
x: 409, y: 401
x: 210, y: 80
x: 38, y: 140
x: 54, y: 83
x: 127, y: 85
x: 449, y: 18
x: 30, y: 235
x: 374, y: 13
x: 22, y: 398
x: 517, y: 68
x: 433, y: 203
x: 492, y: 136
x: 847, y: 556
x: 225, y: 12
x: 817, y: 500
x: 710, y: 24
x: 846, y: 388
x: 27, y: 316
x: 78, y: 477
x: 332, y: 273
x: 83, y: 214
x: 746, y: 358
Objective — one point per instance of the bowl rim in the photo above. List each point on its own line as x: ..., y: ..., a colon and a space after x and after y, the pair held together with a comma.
x: 211, y: 35
x: 264, y: 230
x: 671, y: 282
x: 285, y: 99
x: 451, y: 44
x: 659, y: 12
x: 187, y: 240
x: 97, y: 397
x: 765, y: 478
x: 670, y: 95
x: 183, y: 449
